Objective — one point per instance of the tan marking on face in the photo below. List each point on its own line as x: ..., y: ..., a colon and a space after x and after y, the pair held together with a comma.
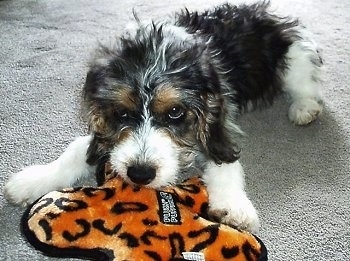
x: 124, y: 135
x: 126, y: 98
x: 166, y: 97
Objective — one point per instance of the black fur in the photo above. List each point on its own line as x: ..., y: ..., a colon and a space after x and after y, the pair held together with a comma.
x: 253, y: 44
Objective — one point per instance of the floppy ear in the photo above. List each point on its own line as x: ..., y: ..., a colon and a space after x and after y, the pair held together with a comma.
x: 214, y: 133
x: 217, y: 130
x: 96, y: 94
x: 92, y: 111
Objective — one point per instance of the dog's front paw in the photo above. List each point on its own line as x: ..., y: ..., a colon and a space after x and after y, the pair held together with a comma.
x: 26, y: 186
x: 239, y: 213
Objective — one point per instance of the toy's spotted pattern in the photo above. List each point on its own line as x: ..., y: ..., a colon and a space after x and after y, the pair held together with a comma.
x: 120, y: 222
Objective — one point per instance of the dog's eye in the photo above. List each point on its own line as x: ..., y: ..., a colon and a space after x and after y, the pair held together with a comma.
x: 176, y: 113
x: 122, y: 115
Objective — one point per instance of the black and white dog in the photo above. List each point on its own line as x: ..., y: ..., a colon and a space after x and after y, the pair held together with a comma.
x: 162, y: 104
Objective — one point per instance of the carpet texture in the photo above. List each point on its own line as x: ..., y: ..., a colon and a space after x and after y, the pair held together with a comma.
x: 297, y: 177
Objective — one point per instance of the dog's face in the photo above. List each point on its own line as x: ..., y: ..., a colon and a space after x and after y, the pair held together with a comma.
x: 156, y: 109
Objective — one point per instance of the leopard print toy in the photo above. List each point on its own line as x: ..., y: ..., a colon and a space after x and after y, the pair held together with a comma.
x: 118, y: 221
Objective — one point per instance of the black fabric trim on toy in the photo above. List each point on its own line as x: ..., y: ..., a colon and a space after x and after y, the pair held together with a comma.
x: 263, y: 255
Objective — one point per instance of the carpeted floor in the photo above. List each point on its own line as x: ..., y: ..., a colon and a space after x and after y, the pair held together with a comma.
x: 298, y: 177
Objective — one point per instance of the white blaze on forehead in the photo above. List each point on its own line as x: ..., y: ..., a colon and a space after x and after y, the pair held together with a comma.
x: 151, y: 147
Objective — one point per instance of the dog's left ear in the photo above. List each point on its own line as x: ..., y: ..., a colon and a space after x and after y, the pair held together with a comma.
x: 217, y: 130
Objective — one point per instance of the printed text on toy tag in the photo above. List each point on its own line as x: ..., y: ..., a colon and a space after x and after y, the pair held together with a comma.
x: 168, y: 211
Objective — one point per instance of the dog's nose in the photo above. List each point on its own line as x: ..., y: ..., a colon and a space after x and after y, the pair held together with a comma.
x: 141, y: 175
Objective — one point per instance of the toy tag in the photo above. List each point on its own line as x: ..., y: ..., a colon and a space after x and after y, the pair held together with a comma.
x: 193, y: 256
x: 168, y: 211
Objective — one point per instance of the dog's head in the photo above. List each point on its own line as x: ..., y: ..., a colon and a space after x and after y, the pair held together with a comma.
x: 157, y: 107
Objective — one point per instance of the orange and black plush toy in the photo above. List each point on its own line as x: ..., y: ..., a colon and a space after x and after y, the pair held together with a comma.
x: 118, y: 221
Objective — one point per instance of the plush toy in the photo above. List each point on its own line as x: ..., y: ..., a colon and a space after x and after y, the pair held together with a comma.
x: 118, y: 221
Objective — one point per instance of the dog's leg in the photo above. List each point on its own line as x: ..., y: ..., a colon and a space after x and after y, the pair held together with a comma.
x: 302, y: 81
x: 228, y: 202
x: 32, y: 182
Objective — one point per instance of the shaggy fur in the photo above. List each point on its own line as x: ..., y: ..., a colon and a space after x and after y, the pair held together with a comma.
x: 164, y: 100
x: 188, y: 80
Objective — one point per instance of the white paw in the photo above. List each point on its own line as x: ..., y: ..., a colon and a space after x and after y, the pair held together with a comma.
x: 238, y: 212
x: 304, y: 111
x: 29, y: 184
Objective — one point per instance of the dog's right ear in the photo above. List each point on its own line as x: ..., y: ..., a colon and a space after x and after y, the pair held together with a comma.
x: 102, y: 68
x: 96, y: 154
x: 91, y: 105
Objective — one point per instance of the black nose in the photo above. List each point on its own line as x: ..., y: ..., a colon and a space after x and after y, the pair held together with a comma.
x: 141, y: 175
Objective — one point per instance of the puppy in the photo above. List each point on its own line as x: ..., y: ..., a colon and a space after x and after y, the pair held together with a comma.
x: 162, y: 104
